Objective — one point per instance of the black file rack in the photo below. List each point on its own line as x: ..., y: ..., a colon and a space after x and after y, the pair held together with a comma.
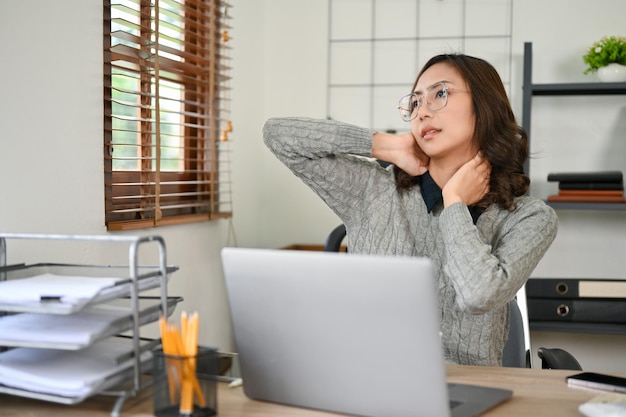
x: 132, y: 280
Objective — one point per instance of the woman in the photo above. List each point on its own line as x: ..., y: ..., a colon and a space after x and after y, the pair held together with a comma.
x: 455, y: 194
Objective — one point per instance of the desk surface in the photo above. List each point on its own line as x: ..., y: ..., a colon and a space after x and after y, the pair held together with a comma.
x: 536, y: 393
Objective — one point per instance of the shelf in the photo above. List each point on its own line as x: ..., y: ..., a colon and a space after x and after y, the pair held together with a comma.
x: 568, y: 327
x: 147, y: 278
x: 587, y: 206
x: 578, y: 89
x: 80, y: 330
x: 531, y: 89
x: 118, y: 376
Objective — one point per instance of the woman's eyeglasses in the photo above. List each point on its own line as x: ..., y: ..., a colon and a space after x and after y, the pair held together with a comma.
x: 435, y: 98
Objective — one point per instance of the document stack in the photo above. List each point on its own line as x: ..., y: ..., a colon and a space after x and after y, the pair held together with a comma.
x: 589, y: 187
x: 597, y: 301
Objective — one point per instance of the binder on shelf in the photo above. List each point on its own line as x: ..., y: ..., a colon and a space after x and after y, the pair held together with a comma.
x: 588, y: 187
x: 593, y: 176
x: 591, y: 186
x: 577, y: 310
x: 575, y: 288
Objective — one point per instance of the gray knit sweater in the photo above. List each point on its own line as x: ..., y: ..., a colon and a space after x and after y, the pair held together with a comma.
x: 479, y: 267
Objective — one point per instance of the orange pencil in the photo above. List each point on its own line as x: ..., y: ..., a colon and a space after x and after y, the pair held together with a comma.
x: 183, y: 324
x: 192, y: 352
x: 166, y: 345
x: 187, y: 378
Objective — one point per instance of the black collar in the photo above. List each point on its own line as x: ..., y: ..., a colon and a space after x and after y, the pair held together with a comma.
x: 431, y: 193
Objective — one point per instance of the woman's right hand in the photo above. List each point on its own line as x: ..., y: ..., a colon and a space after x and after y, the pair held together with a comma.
x: 402, y: 151
x: 470, y: 183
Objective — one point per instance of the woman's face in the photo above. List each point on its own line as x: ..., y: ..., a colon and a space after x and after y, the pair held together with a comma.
x: 447, y: 132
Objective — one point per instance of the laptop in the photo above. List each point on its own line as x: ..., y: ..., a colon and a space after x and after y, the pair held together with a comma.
x: 345, y: 333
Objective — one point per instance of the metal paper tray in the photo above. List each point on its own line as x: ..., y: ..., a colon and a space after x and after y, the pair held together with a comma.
x: 149, y: 311
x: 148, y: 278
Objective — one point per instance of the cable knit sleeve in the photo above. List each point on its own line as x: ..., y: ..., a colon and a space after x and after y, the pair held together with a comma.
x: 293, y: 139
x: 487, y: 274
x: 328, y: 156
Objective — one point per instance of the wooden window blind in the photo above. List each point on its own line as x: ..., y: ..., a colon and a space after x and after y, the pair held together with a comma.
x: 166, y: 110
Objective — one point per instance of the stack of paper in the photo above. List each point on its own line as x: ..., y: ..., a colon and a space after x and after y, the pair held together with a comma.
x: 53, y: 290
x: 65, y: 373
x: 67, y: 331
x: 78, y: 330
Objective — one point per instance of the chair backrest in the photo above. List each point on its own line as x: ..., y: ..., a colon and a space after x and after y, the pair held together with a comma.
x: 516, y: 354
x: 334, y: 239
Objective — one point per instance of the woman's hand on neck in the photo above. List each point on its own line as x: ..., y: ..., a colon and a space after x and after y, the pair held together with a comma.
x: 465, y: 183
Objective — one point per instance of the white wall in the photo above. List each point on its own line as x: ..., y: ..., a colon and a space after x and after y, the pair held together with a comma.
x: 280, y: 67
x: 51, y: 164
x: 51, y: 124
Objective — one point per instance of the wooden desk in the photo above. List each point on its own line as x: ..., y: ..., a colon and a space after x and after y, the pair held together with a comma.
x: 536, y: 393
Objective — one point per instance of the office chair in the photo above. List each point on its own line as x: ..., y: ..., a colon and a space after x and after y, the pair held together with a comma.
x: 516, y: 353
x: 334, y: 239
x: 556, y: 358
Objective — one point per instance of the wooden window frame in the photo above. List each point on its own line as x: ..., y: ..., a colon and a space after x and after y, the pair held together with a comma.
x: 199, y: 189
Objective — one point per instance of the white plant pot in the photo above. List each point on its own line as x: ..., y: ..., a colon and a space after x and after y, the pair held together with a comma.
x: 612, y: 73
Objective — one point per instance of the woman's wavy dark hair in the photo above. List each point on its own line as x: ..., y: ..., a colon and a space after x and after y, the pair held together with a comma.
x: 497, y: 134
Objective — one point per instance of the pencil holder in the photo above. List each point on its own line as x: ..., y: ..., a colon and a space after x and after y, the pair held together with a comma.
x: 185, y: 385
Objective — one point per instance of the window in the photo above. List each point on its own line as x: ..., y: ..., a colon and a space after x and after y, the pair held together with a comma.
x: 166, y: 86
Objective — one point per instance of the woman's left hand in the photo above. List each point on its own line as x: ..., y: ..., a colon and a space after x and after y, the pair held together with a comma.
x: 470, y: 183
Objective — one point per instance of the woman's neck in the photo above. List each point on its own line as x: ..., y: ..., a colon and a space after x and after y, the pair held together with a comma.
x: 440, y: 174
x: 442, y: 169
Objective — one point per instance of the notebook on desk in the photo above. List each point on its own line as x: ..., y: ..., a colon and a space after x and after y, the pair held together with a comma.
x: 352, y: 334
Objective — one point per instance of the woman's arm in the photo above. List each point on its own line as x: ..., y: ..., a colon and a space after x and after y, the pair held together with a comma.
x: 322, y: 154
x: 297, y: 139
x: 486, y: 275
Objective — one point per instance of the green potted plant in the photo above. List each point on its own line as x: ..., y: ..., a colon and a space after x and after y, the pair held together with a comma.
x: 607, y: 57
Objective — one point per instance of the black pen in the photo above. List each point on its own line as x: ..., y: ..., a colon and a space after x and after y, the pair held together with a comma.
x: 50, y: 298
